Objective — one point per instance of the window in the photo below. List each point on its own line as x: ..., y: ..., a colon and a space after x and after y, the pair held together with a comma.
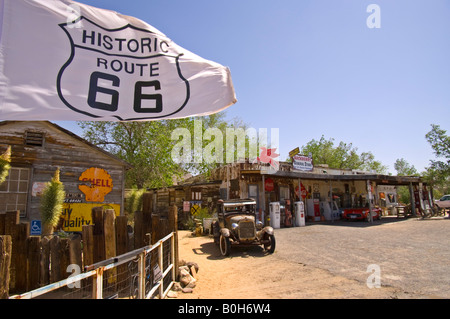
x: 14, y: 191
x: 253, y: 193
x: 196, y: 195
x: 284, y: 193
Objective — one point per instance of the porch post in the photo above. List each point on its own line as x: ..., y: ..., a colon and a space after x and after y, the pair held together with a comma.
x: 331, y: 202
x: 369, y: 195
x: 412, y: 199
x: 264, y: 199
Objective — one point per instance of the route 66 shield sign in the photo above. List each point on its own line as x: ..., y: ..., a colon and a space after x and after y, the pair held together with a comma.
x: 121, y: 69
x: 99, y: 65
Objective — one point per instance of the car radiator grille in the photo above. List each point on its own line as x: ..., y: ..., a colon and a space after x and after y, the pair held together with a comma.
x: 246, y: 230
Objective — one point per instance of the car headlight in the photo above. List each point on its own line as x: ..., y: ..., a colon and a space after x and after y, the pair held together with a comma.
x: 234, y: 226
x: 259, y: 225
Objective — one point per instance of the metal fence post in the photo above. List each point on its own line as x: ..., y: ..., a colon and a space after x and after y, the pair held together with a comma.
x: 172, y: 254
x: 161, y: 282
x: 141, y: 278
x: 97, y: 285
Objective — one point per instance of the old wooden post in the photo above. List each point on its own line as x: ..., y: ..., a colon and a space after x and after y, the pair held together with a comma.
x: 121, y: 235
x: 55, y: 251
x: 110, y: 242
x: 109, y: 220
x: 121, y: 248
x: 11, y: 220
x: 64, y: 257
x: 138, y: 230
x: 20, y: 240
x: 88, y: 245
x: 2, y: 224
x: 75, y: 250
x: 34, y: 259
x: 45, y: 261
x: 173, y: 222
x: 99, y: 234
x: 147, y: 216
x: 155, y: 228
x: 5, y: 263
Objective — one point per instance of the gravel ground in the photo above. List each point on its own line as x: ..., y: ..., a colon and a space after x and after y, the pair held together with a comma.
x: 412, y: 254
x: 325, y: 260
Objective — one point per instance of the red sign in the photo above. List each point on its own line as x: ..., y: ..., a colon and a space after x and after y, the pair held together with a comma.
x: 268, y: 185
x: 304, y: 192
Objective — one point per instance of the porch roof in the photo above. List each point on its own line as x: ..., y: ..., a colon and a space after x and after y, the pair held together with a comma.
x: 378, y: 178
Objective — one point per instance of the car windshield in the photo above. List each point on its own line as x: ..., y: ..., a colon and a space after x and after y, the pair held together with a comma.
x: 242, y: 209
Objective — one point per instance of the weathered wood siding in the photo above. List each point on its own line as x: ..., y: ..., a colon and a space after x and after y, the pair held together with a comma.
x: 60, y: 149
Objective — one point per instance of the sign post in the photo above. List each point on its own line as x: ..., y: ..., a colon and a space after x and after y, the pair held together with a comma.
x: 36, y: 228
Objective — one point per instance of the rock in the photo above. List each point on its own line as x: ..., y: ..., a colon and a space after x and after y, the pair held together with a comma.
x: 193, y: 272
x: 177, y: 286
x: 187, y: 290
x: 183, y: 268
x: 191, y: 264
x: 192, y: 283
x: 172, y: 294
x: 185, y: 277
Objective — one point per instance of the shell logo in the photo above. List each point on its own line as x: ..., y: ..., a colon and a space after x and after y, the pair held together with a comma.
x: 97, y: 183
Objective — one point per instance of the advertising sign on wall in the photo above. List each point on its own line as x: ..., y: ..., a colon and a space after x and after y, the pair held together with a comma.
x: 95, y: 184
x: 75, y: 215
x: 302, y: 163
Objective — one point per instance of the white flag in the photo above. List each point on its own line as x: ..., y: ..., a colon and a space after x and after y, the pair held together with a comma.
x: 63, y: 60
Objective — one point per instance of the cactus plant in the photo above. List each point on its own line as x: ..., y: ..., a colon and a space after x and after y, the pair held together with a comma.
x: 52, y: 200
x: 5, y: 165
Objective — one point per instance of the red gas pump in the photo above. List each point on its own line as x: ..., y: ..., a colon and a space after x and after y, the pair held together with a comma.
x: 288, y: 214
x: 316, y: 200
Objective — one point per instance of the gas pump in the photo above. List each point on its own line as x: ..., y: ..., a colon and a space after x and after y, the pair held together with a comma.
x: 288, y: 214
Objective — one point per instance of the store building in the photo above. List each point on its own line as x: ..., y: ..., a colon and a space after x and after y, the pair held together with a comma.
x: 315, y: 187
x: 91, y: 176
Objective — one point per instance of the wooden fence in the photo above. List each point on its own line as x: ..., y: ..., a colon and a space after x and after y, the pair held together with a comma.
x: 29, y: 262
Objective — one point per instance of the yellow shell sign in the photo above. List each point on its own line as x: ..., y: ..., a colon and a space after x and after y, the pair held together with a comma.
x: 96, y: 184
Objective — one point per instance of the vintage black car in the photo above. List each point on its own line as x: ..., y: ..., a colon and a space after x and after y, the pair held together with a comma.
x: 237, y: 225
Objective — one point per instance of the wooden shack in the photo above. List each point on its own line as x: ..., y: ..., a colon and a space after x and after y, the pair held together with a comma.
x: 91, y: 176
x: 348, y: 188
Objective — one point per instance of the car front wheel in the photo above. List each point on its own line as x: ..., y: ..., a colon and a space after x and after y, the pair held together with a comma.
x: 270, y: 247
x: 225, y: 245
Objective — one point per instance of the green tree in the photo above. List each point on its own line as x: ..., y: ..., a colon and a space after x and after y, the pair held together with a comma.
x: 438, y: 173
x: 440, y: 143
x: 403, y: 168
x: 148, y: 145
x: 343, y: 156
x: 145, y: 145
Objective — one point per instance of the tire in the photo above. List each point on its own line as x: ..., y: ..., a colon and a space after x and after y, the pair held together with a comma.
x: 225, y: 245
x: 215, y: 231
x: 270, y: 248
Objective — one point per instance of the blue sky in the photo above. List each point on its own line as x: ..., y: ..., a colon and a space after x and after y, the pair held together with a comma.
x: 313, y: 67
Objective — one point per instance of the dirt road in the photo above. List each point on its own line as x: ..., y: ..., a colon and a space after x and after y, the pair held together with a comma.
x: 250, y: 273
